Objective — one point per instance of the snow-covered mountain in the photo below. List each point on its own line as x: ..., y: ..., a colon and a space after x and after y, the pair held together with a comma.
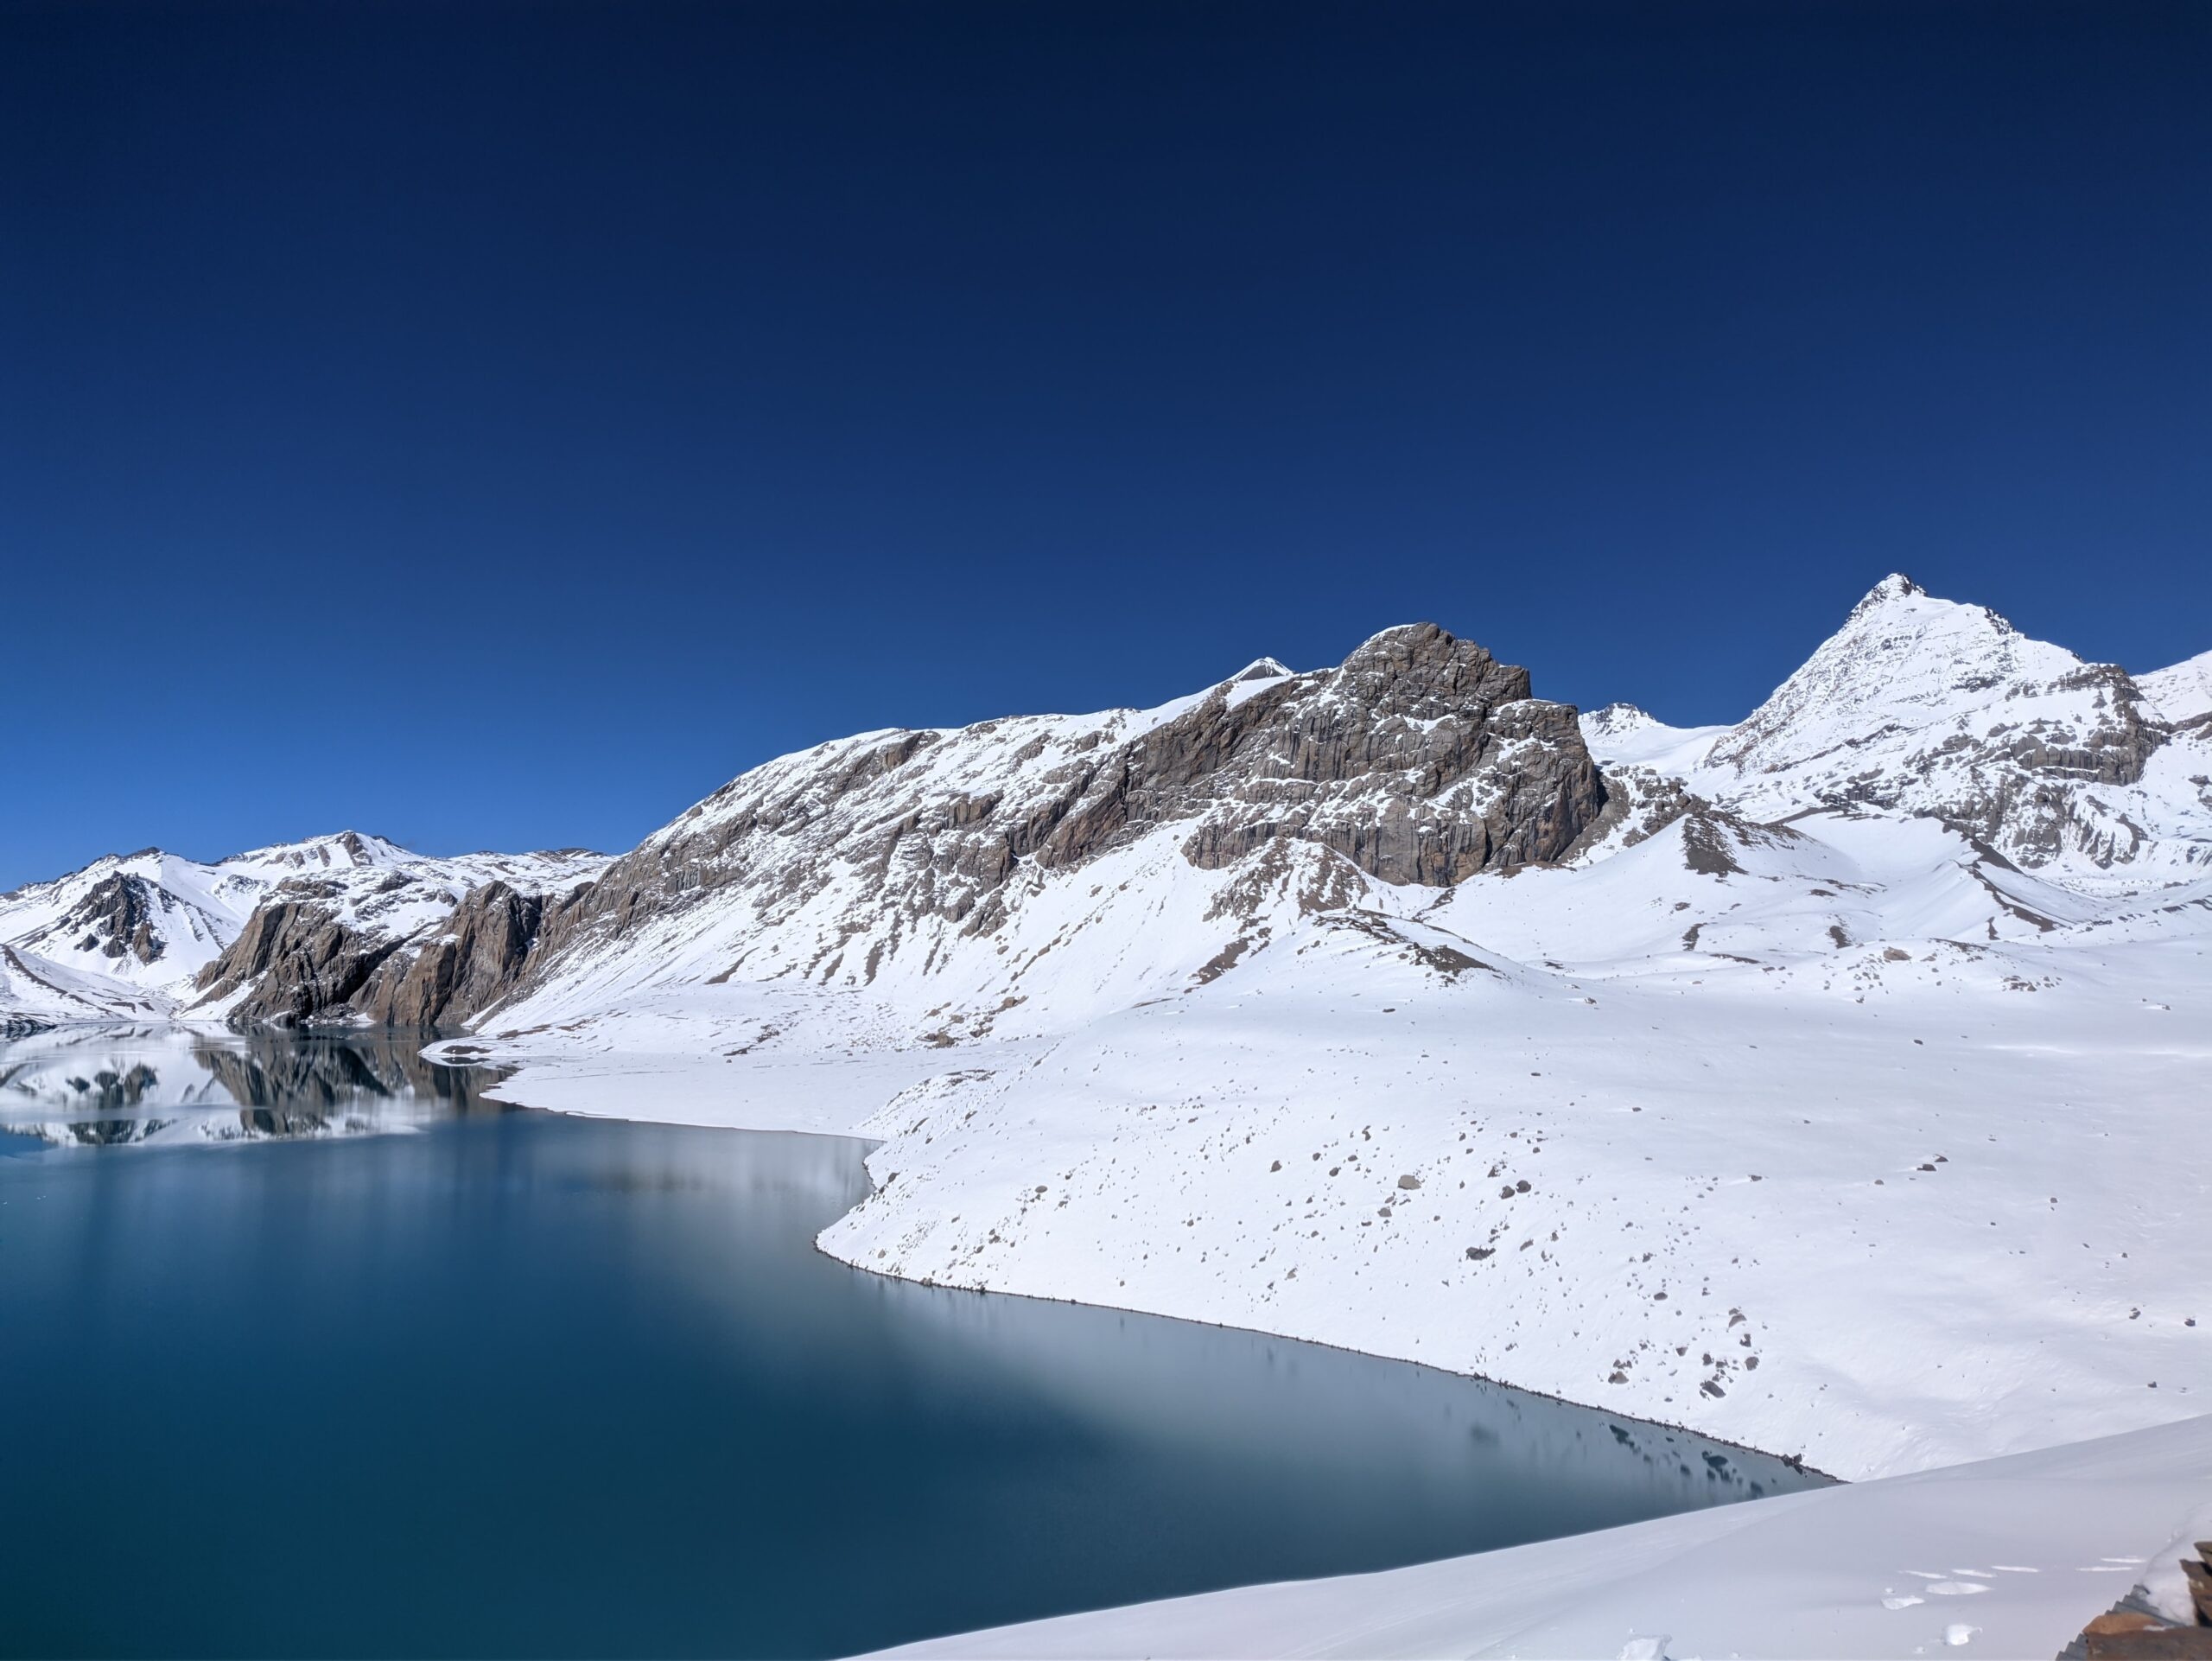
x: 1933, y: 710
x: 1820, y: 1081
x: 945, y: 867
x: 146, y: 935
x: 1020, y: 874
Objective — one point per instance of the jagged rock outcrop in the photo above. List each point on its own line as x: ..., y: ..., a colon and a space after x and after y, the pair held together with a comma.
x: 480, y: 953
x: 1421, y: 760
x: 295, y: 960
x: 116, y: 916
x: 306, y: 957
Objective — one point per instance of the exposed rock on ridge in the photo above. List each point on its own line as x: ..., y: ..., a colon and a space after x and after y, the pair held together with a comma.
x: 1420, y: 759
x: 117, y: 917
x: 302, y: 958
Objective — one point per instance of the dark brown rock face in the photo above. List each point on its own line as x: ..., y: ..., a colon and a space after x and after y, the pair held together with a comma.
x: 299, y: 961
x: 116, y: 917
x: 475, y: 957
x: 1421, y: 760
x: 304, y: 965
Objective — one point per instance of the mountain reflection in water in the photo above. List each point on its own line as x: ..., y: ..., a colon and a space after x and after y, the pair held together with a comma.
x: 102, y: 1086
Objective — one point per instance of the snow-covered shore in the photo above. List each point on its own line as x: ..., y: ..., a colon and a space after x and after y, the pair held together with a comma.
x: 1954, y: 1220
x: 1908, y: 1209
x: 2002, y: 1558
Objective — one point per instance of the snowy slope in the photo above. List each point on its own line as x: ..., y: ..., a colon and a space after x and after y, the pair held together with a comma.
x: 1889, y: 1204
x: 2182, y: 693
x: 35, y: 994
x: 2005, y: 1557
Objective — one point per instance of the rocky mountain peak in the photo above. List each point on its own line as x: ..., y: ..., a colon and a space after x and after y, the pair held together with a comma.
x: 1896, y: 586
x: 1419, y: 758
x: 1616, y: 721
x: 1424, y: 673
x: 342, y: 851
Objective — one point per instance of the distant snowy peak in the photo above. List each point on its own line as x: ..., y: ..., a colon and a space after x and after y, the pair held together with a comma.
x: 1626, y: 735
x: 146, y: 919
x: 348, y: 850
x: 1930, y: 708
x: 1261, y: 669
x: 1902, y: 661
x: 1896, y: 586
x: 2183, y: 694
x: 390, y: 935
x: 1616, y: 720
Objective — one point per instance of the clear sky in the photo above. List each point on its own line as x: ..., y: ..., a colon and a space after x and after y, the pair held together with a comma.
x: 499, y: 424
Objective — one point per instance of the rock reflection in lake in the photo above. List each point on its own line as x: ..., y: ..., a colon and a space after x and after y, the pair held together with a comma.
x: 105, y: 1085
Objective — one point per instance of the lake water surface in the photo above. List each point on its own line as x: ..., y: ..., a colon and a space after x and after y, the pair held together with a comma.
x: 307, y: 1350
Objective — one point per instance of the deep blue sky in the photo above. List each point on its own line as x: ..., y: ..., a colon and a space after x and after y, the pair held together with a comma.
x: 499, y: 424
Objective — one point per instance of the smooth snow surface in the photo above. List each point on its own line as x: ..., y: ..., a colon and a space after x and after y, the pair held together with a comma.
x: 2183, y: 692
x: 2004, y: 1557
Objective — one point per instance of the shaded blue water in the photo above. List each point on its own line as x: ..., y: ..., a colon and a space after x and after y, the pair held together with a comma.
x: 511, y: 1384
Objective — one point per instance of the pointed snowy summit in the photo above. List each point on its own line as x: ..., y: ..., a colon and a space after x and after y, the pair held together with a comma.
x: 1904, y: 661
x: 1896, y: 586
x: 1933, y: 708
x: 1616, y: 721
